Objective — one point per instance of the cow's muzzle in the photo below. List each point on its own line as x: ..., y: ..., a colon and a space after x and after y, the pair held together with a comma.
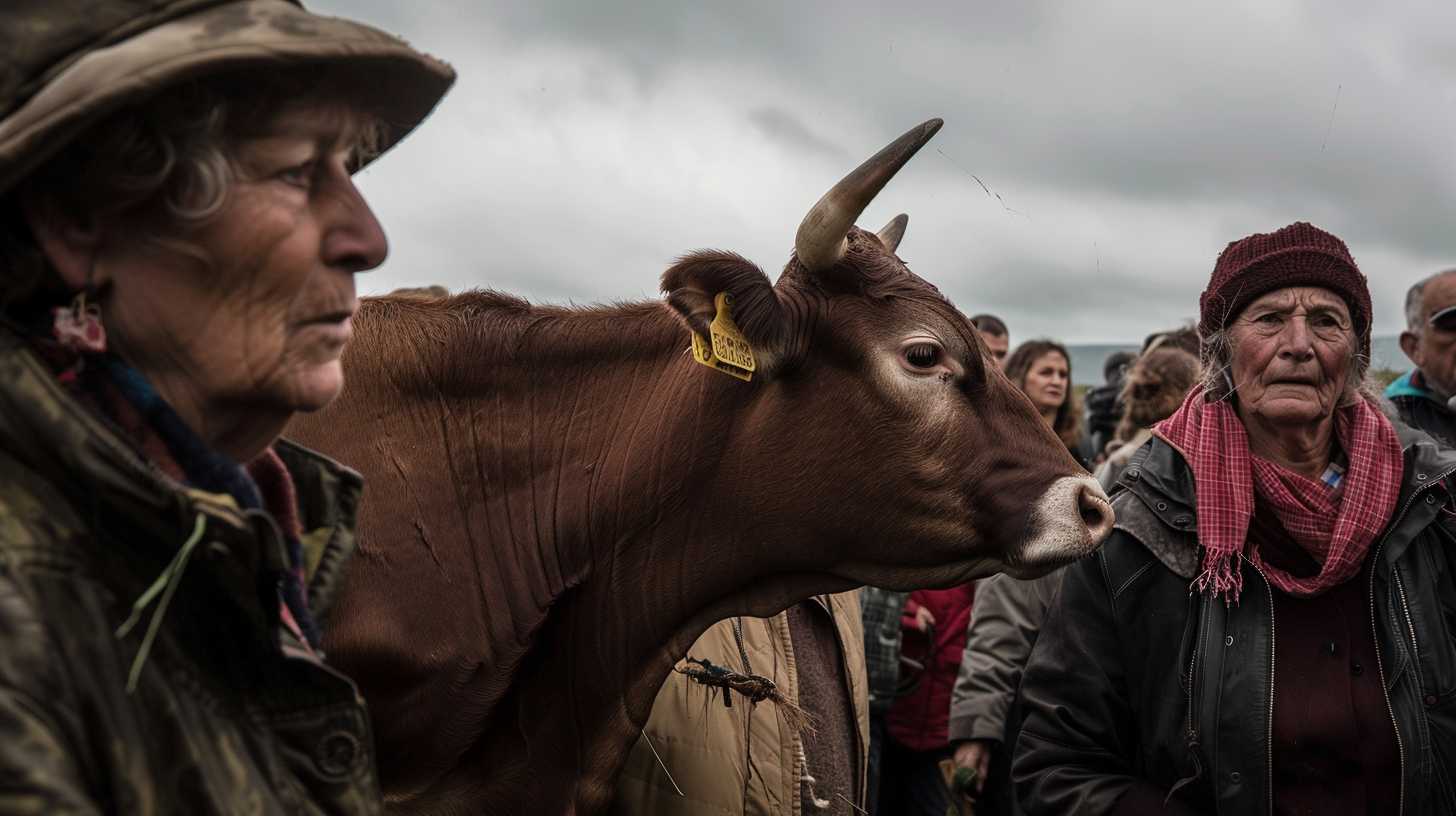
x: 1070, y: 520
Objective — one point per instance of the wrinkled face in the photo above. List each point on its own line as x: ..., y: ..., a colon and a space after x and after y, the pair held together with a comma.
x: 1433, y: 348
x: 1290, y: 356
x: 997, y: 345
x: 935, y: 467
x: 258, y: 316
x: 1047, y: 381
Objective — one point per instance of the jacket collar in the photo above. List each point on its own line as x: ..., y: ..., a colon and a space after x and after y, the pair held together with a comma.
x: 1154, y: 497
x: 1412, y: 385
x: 85, y: 458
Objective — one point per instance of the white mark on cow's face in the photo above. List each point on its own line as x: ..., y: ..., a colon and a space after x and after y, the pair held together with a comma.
x: 922, y: 369
x: 921, y: 354
x: 1069, y: 521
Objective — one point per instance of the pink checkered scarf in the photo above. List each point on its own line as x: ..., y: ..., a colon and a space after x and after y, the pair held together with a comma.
x: 1335, y: 525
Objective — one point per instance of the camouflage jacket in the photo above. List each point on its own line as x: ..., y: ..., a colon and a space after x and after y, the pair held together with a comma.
x: 229, y: 714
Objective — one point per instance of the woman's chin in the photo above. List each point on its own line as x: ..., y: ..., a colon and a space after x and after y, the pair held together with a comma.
x: 1293, y: 413
x: 316, y: 387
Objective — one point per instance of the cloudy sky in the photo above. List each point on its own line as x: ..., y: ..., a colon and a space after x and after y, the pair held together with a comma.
x: 587, y: 144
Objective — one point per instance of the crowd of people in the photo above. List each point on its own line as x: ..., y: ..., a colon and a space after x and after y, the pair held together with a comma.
x: 178, y: 277
x: 972, y: 723
x: 1258, y: 475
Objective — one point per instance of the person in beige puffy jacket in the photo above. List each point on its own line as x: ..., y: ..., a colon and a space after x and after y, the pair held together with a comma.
x: 700, y: 756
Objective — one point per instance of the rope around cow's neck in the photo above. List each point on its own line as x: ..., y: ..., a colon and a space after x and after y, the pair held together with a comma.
x: 756, y: 688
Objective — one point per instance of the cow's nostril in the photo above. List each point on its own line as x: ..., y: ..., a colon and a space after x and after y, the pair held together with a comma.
x: 1095, y: 511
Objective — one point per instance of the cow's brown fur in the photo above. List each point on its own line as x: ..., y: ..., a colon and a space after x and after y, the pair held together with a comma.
x: 560, y: 500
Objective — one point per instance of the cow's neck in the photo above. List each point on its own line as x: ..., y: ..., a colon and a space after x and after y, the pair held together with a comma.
x: 570, y: 440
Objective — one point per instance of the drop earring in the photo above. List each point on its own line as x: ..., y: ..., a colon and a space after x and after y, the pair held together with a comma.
x: 78, y: 326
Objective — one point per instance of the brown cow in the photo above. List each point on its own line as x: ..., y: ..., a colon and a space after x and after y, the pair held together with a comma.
x: 561, y: 500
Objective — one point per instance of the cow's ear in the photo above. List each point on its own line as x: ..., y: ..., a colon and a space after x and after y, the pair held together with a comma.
x: 692, y: 284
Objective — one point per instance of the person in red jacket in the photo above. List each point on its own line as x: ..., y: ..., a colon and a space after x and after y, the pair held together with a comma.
x: 935, y: 623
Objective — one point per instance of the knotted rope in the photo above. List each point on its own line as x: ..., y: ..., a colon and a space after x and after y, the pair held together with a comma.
x: 756, y: 688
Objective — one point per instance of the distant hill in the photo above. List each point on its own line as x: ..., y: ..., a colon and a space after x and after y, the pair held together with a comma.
x: 1087, y: 359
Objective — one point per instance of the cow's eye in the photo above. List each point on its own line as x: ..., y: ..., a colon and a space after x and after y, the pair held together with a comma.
x: 922, y: 355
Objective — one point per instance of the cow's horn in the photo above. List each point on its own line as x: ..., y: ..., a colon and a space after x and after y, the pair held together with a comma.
x: 891, y: 233
x: 821, y: 240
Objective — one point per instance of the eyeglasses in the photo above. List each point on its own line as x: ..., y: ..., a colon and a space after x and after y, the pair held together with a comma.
x: 1444, y: 320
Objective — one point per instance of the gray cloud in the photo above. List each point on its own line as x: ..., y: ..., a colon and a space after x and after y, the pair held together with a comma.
x: 588, y: 144
x: 790, y: 131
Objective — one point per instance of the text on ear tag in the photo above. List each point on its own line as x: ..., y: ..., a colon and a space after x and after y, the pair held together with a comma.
x: 728, y: 350
x: 729, y: 344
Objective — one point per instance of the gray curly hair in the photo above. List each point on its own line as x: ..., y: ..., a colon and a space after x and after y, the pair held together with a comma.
x: 167, y: 166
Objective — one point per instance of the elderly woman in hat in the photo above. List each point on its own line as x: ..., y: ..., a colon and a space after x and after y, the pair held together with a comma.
x: 179, y: 235
x: 1272, y: 626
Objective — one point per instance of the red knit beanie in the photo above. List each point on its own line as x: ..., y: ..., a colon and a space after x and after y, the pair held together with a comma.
x: 1297, y: 255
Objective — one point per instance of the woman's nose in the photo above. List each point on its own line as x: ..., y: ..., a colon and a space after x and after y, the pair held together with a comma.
x: 354, y: 240
x: 1297, y: 343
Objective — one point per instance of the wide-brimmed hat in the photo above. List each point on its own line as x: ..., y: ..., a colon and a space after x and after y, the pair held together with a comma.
x: 65, y: 64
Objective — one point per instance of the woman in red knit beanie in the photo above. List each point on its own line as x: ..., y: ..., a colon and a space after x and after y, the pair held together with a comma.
x: 1269, y: 629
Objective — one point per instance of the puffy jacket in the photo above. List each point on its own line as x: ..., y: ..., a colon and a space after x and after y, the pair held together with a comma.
x: 1139, y: 688
x: 918, y: 719
x: 706, y: 746
x: 229, y: 714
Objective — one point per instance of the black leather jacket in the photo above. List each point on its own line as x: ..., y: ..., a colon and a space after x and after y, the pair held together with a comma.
x: 1139, y: 687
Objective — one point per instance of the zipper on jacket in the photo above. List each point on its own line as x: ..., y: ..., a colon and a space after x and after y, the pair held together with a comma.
x: 1269, y: 722
x: 1410, y: 625
x: 1415, y: 657
x: 1380, y: 666
x: 1190, y: 725
x: 1375, y: 631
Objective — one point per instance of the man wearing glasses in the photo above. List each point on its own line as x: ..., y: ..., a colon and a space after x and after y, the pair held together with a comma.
x: 1423, y: 395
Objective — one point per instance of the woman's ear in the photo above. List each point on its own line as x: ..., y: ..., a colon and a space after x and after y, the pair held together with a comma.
x: 70, y: 244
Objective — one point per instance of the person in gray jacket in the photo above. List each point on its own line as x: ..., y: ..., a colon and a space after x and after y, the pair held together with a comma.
x: 1005, y: 621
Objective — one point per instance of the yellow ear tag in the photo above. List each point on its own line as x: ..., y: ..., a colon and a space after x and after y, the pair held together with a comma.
x: 729, y: 351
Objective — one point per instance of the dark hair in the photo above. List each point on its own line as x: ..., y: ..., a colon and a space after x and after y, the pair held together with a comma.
x: 1068, y: 424
x: 1115, y: 363
x: 989, y: 324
